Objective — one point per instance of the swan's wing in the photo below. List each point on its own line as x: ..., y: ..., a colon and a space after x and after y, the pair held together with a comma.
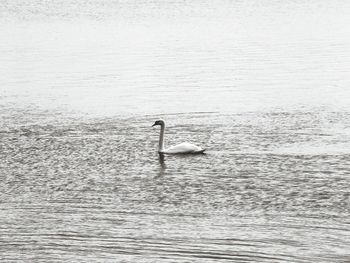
x: 184, y: 147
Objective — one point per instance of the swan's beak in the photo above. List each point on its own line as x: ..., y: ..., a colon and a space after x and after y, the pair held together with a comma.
x: 154, y: 125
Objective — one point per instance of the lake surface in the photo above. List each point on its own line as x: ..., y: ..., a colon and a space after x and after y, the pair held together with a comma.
x: 263, y: 85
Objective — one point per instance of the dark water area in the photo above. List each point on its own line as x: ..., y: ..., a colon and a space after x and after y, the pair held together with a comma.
x: 273, y: 187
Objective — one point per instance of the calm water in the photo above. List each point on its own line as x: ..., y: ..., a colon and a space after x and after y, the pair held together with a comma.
x: 263, y: 85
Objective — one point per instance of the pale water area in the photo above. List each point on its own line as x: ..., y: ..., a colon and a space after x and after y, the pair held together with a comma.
x: 262, y: 84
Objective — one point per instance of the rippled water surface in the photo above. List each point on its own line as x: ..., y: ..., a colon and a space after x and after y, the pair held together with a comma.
x: 263, y: 85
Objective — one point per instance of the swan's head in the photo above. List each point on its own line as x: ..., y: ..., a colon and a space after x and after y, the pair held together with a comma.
x: 159, y: 122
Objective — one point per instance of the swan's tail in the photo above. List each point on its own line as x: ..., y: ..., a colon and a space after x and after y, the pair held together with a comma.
x: 201, y: 151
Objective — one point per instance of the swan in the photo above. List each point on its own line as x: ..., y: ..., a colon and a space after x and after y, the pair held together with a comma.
x: 182, y: 148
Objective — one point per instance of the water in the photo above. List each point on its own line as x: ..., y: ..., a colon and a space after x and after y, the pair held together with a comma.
x: 263, y: 85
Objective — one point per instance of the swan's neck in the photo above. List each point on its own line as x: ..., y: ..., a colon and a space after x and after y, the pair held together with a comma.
x: 161, y: 139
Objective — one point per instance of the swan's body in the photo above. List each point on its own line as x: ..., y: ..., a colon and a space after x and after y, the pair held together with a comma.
x: 182, y: 148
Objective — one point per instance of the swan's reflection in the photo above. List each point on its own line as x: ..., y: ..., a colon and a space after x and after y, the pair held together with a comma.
x: 162, y: 164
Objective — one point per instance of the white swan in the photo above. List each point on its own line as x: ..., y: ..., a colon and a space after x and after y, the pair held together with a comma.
x: 181, y: 148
